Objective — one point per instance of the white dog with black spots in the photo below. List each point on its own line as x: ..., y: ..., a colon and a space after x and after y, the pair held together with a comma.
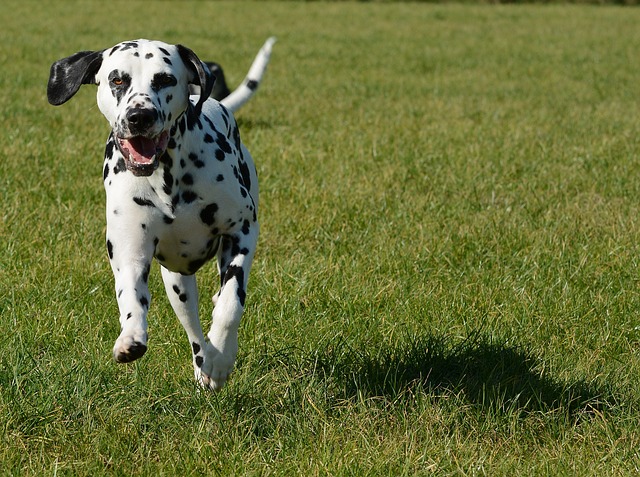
x: 181, y: 187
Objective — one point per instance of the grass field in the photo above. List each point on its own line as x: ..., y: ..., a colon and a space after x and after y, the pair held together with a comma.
x: 447, y: 278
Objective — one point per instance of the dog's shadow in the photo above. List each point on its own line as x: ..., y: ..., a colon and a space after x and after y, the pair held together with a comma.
x: 492, y: 375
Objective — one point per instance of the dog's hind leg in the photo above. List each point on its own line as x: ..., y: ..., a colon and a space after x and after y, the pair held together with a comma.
x: 234, y: 261
x: 182, y: 291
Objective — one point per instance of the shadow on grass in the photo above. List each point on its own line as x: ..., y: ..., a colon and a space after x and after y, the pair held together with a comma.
x: 492, y: 375
x: 245, y: 123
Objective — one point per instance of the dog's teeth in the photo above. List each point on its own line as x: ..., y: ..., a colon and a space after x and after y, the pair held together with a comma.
x: 153, y: 158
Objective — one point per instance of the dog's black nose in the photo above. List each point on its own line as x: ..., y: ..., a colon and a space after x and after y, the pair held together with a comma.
x: 141, y: 119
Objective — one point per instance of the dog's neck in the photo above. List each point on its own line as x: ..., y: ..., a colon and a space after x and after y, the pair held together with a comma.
x: 185, y: 121
x: 165, y: 180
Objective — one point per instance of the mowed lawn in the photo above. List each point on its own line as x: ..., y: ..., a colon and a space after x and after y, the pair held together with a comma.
x: 447, y: 277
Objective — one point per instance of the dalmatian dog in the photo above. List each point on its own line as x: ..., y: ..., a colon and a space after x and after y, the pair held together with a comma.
x: 181, y: 187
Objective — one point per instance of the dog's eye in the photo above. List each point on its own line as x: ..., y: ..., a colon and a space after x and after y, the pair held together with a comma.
x: 118, y: 79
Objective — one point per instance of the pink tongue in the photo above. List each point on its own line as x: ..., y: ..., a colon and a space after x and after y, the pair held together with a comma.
x: 141, y: 149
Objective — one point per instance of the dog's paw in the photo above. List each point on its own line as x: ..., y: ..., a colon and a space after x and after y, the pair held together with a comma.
x: 130, y: 346
x: 212, y: 366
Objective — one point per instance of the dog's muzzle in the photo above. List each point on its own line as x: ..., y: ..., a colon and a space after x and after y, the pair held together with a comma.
x: 141, y: 154
x: 141, y: 147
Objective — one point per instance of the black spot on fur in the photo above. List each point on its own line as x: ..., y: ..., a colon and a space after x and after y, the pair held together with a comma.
x: 143, y: 202
x: 245, y: 174
x: 120, y: 166
x: 209, y: 122
x: 166, y: 159
x: 144, y: 301
x: 162, y: 80
x: 128, y: 45
x: 236, y: 272
x: 145, y: 274
x: 189, y: 196
x: 207, y: 215
x: 196, y: 347
x: 108, y: 150
x: 191, y: 117
x: 199, y: 361
x: 236, y: 137
x: 181, y: 296
x: 195, y: 265
x: 168, y: 180
x: 235, y: 245
x: 110, y: 249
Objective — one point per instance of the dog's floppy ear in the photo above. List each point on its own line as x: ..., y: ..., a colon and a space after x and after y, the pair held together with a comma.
x: 68, y: 74
x: 202, y: 75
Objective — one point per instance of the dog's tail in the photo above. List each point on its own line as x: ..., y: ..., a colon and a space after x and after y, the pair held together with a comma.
x: 250, y: 84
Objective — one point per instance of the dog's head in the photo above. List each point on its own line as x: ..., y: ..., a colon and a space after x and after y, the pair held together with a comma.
x: 143, y: 87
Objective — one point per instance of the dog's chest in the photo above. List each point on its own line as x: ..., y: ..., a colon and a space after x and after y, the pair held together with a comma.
x: 186, y: 243
x: 183, y: 208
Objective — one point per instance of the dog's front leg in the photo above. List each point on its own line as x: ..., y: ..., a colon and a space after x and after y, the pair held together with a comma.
x: 131, y: 272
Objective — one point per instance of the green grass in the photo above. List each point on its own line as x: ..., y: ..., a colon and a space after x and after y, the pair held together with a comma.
x: 447, y: 278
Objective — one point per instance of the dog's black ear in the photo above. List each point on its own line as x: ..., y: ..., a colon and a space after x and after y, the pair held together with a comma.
x: 202, y: 75
x: 68, y: 74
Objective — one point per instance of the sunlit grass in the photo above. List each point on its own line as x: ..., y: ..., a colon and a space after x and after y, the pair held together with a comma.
x: 447, y: 277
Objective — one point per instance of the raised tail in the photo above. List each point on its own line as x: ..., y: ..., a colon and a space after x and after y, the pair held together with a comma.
x: 250, y: 84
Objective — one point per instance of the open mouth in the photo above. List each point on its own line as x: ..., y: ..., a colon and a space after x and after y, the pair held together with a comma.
x: 141, y: 153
